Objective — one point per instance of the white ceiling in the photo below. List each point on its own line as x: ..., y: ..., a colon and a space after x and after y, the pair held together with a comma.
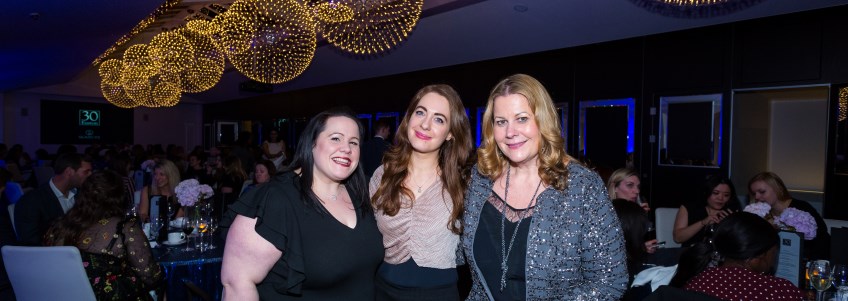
x: 54, y: 53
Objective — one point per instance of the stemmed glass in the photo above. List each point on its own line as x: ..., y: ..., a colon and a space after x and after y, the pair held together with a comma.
x: 188, y: 228
x: 821, y: 274
x: 155, y: 226
x: 840, y: 277
x: 211, y: 227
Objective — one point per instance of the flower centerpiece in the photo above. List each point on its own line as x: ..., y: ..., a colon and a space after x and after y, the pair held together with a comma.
x: 147, y: 165
x: 190, y: 191
x: 790, y: 219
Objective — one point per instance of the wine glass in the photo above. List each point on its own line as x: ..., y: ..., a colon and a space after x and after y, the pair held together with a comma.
x: 821, y: 274
x: 188, y: 228
x: 155, y: 226
x: 211, y: 227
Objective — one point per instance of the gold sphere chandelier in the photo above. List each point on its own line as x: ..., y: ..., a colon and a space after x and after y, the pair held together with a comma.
x: 203, y: 27
x: 170, y: 51
x: 137, y: 61
x: 110, y: 71
x: 332, y: 11
x: 206, y: 65
x: 269, y: 41
x: 376, y: 27
x: 116, y: 95
x: 159, y: 90
x: 694, y: 9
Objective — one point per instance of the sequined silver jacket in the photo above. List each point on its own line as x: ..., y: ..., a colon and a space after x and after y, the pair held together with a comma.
x: 575, y: 248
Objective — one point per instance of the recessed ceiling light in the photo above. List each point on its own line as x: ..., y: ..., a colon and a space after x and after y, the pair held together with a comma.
x: 520, y: 8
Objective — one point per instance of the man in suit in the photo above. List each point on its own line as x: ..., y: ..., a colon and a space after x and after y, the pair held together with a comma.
x: 40, y: 207
x: 373, y: 149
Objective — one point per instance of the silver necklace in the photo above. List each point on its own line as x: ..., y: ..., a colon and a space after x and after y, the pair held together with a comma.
x: 425, y: 183
x: 504, y: 250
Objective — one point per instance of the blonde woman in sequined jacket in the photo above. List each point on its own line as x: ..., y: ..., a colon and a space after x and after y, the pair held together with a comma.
x: 537, y: 224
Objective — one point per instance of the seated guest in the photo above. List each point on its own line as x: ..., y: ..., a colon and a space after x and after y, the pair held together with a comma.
x: 38, y: 208
x: 165, y: 180
x: 695, y: 219
x: 115, y: 253
x: 197, y: 169
x: 769, y: 188
x: 747, y: 245
x: 262, y: 173
x: 624, y: 184
x: 229, y: 185
x: 634, y: 226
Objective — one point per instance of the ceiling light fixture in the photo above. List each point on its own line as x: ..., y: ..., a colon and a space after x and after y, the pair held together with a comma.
x: 376, y: 27
x: 694, y: 9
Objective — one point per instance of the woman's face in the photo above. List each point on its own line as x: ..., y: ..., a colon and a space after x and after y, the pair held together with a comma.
x: 336, y: 150
x: 272, y: 136
x: 160, y: 178
x: 762, y: 192
x: 516, y: 132
x: 628, y: 189
x: 260, y: 174
x: 429, y: 125
x: 718, y: 197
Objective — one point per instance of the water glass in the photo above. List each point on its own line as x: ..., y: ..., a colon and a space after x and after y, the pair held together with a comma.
x: 821, y: 275
x: 840, y: 276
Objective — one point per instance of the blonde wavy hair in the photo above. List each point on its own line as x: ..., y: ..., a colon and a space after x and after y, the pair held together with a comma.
x: 553, y: 159
x: 170, y: 171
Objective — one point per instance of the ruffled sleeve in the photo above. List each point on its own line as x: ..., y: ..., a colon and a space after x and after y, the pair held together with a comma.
x: 274, y: 206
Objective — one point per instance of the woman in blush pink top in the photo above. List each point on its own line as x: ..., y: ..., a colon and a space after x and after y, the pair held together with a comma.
x: 418, y: 197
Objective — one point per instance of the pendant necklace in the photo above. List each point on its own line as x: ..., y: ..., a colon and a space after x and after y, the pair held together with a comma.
x: 504, y: 250
x: 425, y: 183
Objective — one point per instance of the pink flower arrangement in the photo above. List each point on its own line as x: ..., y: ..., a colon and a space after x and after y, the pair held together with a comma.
x: 147, y: 165
x: 798, y: 220
x: 761, y: 209
x: 791, y: 219
x: 190, y: 191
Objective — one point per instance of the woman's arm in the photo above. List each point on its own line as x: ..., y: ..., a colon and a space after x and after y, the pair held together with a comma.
x: 683, y: 231
x: 602, y: 269
x: 144, y: 205
x: 247, y: 260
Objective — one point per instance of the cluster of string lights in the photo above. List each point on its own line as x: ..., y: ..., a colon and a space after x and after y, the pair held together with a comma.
x: 694, y: 9
x: 269, y: 41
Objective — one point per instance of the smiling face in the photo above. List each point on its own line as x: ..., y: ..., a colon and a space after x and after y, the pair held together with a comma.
x: 429, y: 124
x: 628, y: 189
x: 516, y: 132
x: 762, y: 192
x: 160, y: 179
x: 718, y: 197
x: 336, y: 149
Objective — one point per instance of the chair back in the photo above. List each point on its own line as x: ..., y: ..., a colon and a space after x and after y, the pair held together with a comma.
x: 664, y: 224
x: 43, y: 174
x: 138, y: 177
x: 47, y: 273
x: 13, y: 191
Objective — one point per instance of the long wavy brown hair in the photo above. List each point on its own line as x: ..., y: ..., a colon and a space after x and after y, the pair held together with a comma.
x: 452, y: 156
x: 553, y: 159
x: 101, y: 196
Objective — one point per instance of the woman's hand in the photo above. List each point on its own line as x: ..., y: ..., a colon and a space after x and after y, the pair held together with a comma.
x: 651, y: 246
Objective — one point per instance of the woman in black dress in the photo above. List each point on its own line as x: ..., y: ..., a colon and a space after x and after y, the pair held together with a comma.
x: 310, y: 233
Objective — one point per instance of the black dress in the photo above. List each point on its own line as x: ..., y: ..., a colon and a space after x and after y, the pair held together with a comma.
x: 322, y: 258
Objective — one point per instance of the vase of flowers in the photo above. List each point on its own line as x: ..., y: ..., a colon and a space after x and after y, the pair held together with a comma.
x: 790, y: 219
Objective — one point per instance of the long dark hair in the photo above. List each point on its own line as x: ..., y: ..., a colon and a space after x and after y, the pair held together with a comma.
x: 101, y: 196
x: 303, y: 160
x: 634, y: 223
x: 452, y: 155
x: 713, y: 182
x: 739, y: 236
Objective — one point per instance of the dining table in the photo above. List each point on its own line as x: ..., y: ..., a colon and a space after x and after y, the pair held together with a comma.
x: 200, y: 266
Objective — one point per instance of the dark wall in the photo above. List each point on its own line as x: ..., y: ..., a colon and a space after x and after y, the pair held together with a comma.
x: 797, y: 49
